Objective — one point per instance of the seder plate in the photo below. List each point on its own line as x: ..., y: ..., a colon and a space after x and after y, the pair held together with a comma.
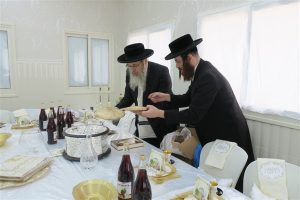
x: 67, y: 157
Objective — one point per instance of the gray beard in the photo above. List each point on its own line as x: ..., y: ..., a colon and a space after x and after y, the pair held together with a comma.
x: 135, y: 81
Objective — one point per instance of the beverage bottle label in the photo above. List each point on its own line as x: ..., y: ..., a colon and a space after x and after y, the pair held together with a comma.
x: 55, y: 136
x: 45, y: 123
x: 124, y: 190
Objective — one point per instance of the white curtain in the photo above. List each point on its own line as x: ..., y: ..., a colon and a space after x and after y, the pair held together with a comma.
x: 78, y: 66
x: 274, y: 67
x: 159, y: 41
x: 4, y: 61
x: 100, y: 62
x: 257, y: 49
x: 225, y: 45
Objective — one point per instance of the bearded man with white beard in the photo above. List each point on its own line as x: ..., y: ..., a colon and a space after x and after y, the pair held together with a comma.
x: 143, y: 78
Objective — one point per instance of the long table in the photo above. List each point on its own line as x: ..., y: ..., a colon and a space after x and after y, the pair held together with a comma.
x: 64, y: 174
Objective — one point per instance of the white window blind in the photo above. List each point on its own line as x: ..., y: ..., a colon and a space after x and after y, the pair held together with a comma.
x: 4, y: 61
x: 100, y: 69
x: 157, y: 39
x: 78, y: 62
x: 257, y: 49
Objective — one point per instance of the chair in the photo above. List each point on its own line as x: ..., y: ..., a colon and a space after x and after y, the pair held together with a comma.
x: 7, y: 116
x: 292, y: 179
x: 127, y: 123
x: 233, y: 166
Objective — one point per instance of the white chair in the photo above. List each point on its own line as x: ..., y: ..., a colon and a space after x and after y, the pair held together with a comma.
x: 292, y: 179
x: 127, y: 123
x: 7, y: 116
x: 233, y: 166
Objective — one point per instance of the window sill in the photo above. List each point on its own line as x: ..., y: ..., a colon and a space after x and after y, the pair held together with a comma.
x: 8, y: 95
x: 272, y: 119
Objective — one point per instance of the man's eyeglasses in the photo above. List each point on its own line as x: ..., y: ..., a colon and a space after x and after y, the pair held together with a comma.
x: 133, y: 65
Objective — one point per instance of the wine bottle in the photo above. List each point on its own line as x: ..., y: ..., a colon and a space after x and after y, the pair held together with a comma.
x: 142, y: 187
x: 125, y: 176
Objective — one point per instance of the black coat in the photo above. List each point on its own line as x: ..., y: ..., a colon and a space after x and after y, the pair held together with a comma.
x: 158, y: 80
x: 213, y: 109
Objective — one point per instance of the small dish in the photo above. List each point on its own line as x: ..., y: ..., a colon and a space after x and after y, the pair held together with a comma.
x: 95, y: 190
x: 3, y: 138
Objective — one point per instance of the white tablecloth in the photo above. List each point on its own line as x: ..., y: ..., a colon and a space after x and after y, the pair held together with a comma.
x: 64, y: 175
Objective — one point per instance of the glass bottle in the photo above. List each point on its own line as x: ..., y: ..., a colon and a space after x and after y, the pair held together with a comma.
x: 58, y: 110
x: 69, y: 118
x: 43, y: 119
x: 60, y: 123
x: 54, y: 114
x: 51, y: 129
x: 142, y: 187
x: 125, y: 176
x: 88, y: 158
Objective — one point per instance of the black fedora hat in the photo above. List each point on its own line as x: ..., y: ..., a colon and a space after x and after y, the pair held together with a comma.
x: 181, y: 45
x: 135, y: 52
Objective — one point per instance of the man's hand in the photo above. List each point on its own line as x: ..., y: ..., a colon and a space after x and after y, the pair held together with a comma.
x: 153, y: 112
x: 159, y: 97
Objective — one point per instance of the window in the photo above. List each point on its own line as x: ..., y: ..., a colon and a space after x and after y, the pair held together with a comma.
x: 7, y: 59
x: 156, y: 38
x: 257, y: 49
x: 4, y: 65
x: 88, y: 58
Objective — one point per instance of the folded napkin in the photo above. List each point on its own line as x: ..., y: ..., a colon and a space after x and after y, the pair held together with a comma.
x: 21, y: 168
x: 272, y: 177
x: 20, y: 112
x: 218, y: 153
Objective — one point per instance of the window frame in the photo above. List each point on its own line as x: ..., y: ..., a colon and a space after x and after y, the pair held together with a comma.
x: 89, y: 89
x: 10, y: 29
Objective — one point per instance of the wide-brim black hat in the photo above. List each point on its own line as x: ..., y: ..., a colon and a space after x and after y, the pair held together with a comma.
x: 182, y: 45
x: 135, y: 52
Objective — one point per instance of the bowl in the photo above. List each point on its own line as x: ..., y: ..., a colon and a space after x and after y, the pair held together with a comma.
x: 95, y: 190
x: 3, y: 138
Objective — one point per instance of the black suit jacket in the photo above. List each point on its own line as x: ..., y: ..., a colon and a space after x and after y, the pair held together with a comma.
x: 213, y: 109
x: 158, y: 80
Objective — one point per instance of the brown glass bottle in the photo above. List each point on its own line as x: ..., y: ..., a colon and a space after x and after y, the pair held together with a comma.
x: 142, y: 187
x: 60, y: 123
x: 51, y: 129
x: 125, y: 176
x: 43, y: 120
x: 69, y: 118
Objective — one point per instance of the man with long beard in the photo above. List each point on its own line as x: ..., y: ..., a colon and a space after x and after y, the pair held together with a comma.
x: 142, y: 78
x: 212, y: 106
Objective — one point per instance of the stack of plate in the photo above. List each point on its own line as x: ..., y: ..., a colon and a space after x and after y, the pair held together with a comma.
x: 20, y: 170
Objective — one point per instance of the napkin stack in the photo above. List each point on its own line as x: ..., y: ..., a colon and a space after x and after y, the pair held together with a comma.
x: 272, y: 177
x: 218, y: 153
x: 21, y: 168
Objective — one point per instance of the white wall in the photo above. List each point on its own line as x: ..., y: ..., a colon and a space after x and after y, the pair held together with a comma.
x: 39, y: 30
